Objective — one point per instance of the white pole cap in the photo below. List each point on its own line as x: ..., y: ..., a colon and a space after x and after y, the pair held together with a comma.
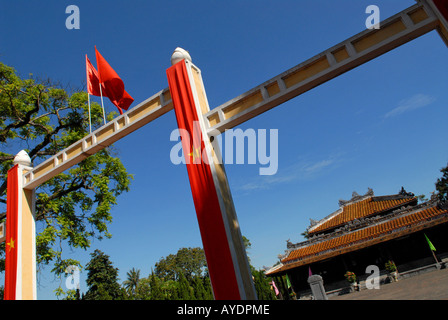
x: 178, y: 55
x: 23, y: 158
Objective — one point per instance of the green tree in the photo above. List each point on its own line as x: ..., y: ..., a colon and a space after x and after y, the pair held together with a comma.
x: 207, y: 288
x: 102, y: 279
x: 185, y: 291
x: 155, y: 289
x: 247, y: 246
x: 199, y: 292
x: 69, y: 295
x: 75, y: 206
x: 190, y: 262
x: 305, y: 234
x: 165, y: 268
x: 184, y: 275
x: 143, y: 291
x: 262, y: 286
x: 421, y: 198
x: 442, y: 185
x: 132, y: 282
x: 170, y: 289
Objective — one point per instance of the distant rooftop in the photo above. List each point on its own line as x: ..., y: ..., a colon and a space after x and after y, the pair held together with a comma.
x: 360, y: 207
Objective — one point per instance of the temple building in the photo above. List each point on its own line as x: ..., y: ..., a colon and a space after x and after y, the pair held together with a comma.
x: 366, y: 230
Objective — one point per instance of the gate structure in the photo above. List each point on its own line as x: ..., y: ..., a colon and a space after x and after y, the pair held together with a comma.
x: 226, y: 257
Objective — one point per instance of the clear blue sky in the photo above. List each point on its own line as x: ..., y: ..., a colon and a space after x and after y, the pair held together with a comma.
x: 382, y: 125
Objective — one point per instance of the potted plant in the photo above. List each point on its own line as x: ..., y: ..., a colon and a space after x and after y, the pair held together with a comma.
x: 391, y: 269
x: 351, y: 278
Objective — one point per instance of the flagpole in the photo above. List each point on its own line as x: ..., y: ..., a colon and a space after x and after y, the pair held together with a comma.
x: 435, y: 258
x: 102, y: 103
x: 431, y: 248
x: 90, y: 119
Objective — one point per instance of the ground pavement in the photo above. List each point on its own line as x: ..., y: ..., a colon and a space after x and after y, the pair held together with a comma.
x: 428, y: 286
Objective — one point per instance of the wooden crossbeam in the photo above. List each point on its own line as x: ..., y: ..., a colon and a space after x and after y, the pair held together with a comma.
x: 367, y: 45
x: 145, y: 112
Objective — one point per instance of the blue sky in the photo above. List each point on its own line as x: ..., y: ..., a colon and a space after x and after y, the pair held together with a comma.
x: 381, y: 125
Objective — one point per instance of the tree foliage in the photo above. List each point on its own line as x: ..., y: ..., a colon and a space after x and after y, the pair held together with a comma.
x: 262, y: 286
x: 133, y: 280
x: 442, y: 185
x: 184, y: 276
x: 102, y: 279
x: 189, y: 262
x: 74, y: 207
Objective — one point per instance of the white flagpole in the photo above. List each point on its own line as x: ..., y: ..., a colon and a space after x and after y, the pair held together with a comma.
x: 90, y: 119
x: 102, y: 103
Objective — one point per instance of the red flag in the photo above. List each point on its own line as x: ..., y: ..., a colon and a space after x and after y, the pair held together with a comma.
x: 12, y: 211
x: 93, y: 81
x: 114, y: 86
x: 210, y: 218
x: 124, y: 103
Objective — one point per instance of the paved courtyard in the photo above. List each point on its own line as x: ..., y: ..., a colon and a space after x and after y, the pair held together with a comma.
x: 429, y: 286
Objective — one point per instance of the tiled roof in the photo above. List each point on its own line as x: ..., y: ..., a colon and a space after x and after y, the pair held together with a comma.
x: 389, y: 229
x: 361, y: 209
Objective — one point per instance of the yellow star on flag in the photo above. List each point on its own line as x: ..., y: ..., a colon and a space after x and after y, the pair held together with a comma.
x: 195, y: 153
x: 10, y: 244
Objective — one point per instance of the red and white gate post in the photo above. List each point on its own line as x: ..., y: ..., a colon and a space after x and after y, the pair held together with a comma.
x: 227, y: 262
x: 20, y: 249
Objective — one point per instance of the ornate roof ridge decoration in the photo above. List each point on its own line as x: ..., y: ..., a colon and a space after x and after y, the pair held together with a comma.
x: 318, y: 226
x: 370, y: 194
x: 273, y: 268
x: 316, y: 223
x: 342, y: 203
x: 356, y: 198
x: 442, y: 205
x: 406, y: 194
